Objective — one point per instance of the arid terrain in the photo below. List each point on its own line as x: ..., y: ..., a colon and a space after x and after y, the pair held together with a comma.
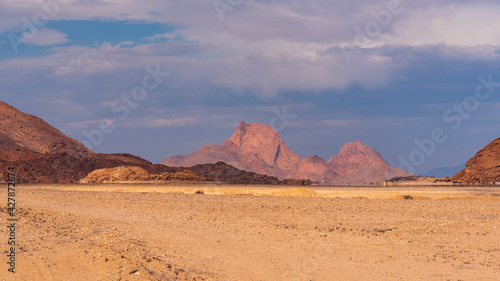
x: 228, y: 232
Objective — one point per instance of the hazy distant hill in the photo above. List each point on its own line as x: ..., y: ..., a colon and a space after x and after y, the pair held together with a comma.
x: 444, y: 171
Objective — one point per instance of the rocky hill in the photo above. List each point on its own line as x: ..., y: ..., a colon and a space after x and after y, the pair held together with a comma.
x: 32, y: 167
x: 223, y: 172
x: 259, y: 148
x: 42, y: 154
x: 24, y: 132
x: 484, y: 167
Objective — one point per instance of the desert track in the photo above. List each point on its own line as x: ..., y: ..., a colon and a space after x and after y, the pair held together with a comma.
x: 154, y: 232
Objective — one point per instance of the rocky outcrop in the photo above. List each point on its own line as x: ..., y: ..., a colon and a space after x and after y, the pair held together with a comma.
x: 259, y: 148
x: 137, y: 174
x: 117, y: 174
x: 484, y: 167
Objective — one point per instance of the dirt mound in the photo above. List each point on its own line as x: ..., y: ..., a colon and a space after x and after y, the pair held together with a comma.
x: 296, y: 192
x: 484, y: 167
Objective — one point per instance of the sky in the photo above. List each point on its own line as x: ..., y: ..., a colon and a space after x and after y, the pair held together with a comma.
x: 416, y: 80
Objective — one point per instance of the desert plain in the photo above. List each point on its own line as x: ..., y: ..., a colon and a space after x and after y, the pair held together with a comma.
x: 228, y: 232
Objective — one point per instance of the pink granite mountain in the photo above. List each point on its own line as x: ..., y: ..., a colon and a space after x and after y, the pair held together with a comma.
x: 259, y: 148
x: 357, y: 163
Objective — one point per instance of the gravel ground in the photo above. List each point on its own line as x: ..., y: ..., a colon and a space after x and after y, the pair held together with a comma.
x: 170, y: 233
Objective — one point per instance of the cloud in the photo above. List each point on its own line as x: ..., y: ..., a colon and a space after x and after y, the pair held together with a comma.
x: 243, y: 56
x: 45, y: 37
x: 160, y: 122
x: 406, y: 53
x: 105, y: 104
x: 261, y: 74
x: 62, y: 102
x: 455, y: 25
x: 318, y: 21
x: 162, y: 36
x: 127, y: 43
x: 87, y: 124
x: 343, y: 123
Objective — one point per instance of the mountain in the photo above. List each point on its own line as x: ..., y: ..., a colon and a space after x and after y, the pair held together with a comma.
x: 42, y: 154
x: 24, y: 132
x: 357, y: 164
x: 259, y: 148
x: 262, y: 150
x: 253, y: 147
x: 443, y: 171
x: 484, y: 167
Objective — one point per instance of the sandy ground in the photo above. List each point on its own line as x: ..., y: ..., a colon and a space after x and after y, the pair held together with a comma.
x: 167, y: 232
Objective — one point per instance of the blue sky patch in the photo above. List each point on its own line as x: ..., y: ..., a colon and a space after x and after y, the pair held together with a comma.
x: 90, y: 33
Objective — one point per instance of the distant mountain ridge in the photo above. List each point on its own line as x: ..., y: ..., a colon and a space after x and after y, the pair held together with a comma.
x: 259, y: 148
x: 444, y: 171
